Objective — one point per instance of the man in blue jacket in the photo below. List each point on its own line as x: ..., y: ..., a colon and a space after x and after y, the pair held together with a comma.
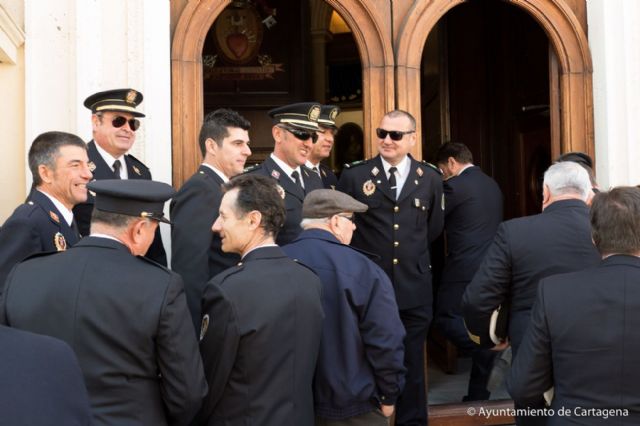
x: 360, y: 371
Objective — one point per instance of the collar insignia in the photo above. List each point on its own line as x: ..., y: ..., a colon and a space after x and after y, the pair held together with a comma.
x: 54, y: 216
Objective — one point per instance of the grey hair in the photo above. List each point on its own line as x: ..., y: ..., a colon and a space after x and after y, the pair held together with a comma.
x: 568, y: 178
x: 308, y: 222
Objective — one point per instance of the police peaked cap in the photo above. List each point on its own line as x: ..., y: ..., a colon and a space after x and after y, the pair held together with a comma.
x: 124, y: 100
x: 303, y: 116
x: 328, y: 114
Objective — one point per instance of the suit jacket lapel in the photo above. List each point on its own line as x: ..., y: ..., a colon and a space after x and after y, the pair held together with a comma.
x: 311, y: 180
x: 414, y: 179
x: 132, y: 170
x: 102, y: 169
x: 283, y: 180
x: 379, y: 178
x: 55, y: 216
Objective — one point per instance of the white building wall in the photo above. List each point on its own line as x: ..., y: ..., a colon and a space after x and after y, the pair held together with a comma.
x: 614, y: 39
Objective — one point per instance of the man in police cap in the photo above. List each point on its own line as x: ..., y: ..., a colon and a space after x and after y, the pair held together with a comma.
x: 360, y: 371
x: 322, y: 148
x: 125, y: 317
x: 60, y: 171
x: 406, y: 213
x: 294, y: 132
x: 114, y: 119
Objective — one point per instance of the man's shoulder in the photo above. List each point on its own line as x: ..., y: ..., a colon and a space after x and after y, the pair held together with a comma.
x: 137, y: 163
x: 356, y: 165
x: 429, y: 168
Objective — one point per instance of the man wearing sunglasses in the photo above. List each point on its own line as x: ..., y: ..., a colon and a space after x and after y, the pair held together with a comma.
x: 114, y: 120
x: 294, y: 131
x: 322, y: 149
x: 406, y: 213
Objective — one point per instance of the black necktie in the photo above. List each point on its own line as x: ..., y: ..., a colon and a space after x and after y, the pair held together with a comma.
x: 392, y: 181
x: 74, y: 226
x: 315, y: 169
x: 116, y: 168
x: 296, y: 178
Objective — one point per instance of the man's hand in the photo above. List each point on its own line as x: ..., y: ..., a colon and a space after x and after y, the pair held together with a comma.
x: 387, y: 410
x: 501, y: 346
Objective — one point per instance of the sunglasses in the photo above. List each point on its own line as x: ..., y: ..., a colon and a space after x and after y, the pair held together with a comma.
x: 301, y: 134
x: 119, y: 121
x: 395, y: 135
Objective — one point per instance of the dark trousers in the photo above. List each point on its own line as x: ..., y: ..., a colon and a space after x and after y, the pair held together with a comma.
x: 411, y: 407
x: 372, y: 418
x: 452, y: 326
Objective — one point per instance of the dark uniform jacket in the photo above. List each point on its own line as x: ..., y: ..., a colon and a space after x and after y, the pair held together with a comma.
x: 473, y: 211
x: 34, y: 227
x: 41, y: 382
x: 262, y: 323
x: 329, y: 179
x: 293, y: 195
x: 583, y: 340
x: 127, y: 321
x: 361, y: 353
x: 399, y: 231
x: 136, y: 170
x: 524, y: 251
x: 196, y: 252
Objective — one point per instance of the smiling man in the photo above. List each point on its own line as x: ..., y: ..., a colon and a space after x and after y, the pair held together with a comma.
x: 196, y: 252
x: 322, y: 148
x: 114, y: 121
x: 406, y: 213
x: 294, y: 132
x: 59, y: 167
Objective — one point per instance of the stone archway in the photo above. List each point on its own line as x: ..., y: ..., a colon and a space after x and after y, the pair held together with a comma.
x: 565, y: 35
x: 371, y: 30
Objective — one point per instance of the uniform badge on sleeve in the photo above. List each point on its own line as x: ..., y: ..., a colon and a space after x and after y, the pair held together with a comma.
x: 368, y: 188
x: 59, y: 242
x: 137, y: 170
x: 204, y: 327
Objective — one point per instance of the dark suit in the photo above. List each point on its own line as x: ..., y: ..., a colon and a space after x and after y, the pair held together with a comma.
x: 127, y: 321
x: 400, y: 231
x: 294, y: 196
x: 329, y: 179
x: 41, y: 382
x: 196, y: 252
x: 33, y: 227
x: 583, y: 340
x: 473, y: 211
x: 524, y: 251
x: 260, y: 348
x: 135, y: 170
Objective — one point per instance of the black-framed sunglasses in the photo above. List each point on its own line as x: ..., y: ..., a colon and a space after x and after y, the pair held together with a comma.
x: 119, y: 121
x: 395, y: 135
x: 302, y: 134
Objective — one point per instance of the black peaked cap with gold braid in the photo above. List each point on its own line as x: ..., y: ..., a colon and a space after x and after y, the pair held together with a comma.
x: 124, y: 100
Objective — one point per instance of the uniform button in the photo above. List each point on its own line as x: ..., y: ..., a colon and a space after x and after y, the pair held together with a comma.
x: 396, y: 209
x: 395, y: 261
x: 396, y: 243
x: 396, y: 226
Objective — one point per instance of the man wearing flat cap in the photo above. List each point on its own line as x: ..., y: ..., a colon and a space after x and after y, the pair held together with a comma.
x: 360, y: 370
x: 125, y: 317
x: 294, y: 132
x: 327, y: 130
x: 114, y: 119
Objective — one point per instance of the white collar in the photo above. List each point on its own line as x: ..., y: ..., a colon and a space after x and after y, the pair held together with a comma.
x: 65, y: 212
x: 218, y: 172
x: 285, y: 167
x: 110, y: 159
x: 311, y: 165
x: 403, y: 166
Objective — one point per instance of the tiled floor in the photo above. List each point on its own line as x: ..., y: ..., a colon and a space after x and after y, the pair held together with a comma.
x: 450, y: 388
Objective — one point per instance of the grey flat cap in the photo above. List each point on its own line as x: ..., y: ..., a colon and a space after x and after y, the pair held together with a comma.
x: 327, y: 202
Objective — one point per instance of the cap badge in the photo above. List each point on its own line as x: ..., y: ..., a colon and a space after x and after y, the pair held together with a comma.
x: 204, y: 327
x: 54, y: 216
x: 375, y: 171
x: 275, y: 174
x: 368, y: 188
x: 131, y: 96
x: 333, y: 114
x: 59, y: 242
x: 280, y: 191
x: 137, y: 170
x: 314, y: 113
x: 419, y: 172
x: 92, y: 166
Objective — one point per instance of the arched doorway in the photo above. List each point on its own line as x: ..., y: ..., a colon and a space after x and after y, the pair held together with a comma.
x: 196, y: 19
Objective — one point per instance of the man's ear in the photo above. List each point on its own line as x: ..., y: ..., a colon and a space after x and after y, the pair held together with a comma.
x: 546, y: 196
x: 45, y: 173
x: 255, y: 219
x: 211, y: 146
